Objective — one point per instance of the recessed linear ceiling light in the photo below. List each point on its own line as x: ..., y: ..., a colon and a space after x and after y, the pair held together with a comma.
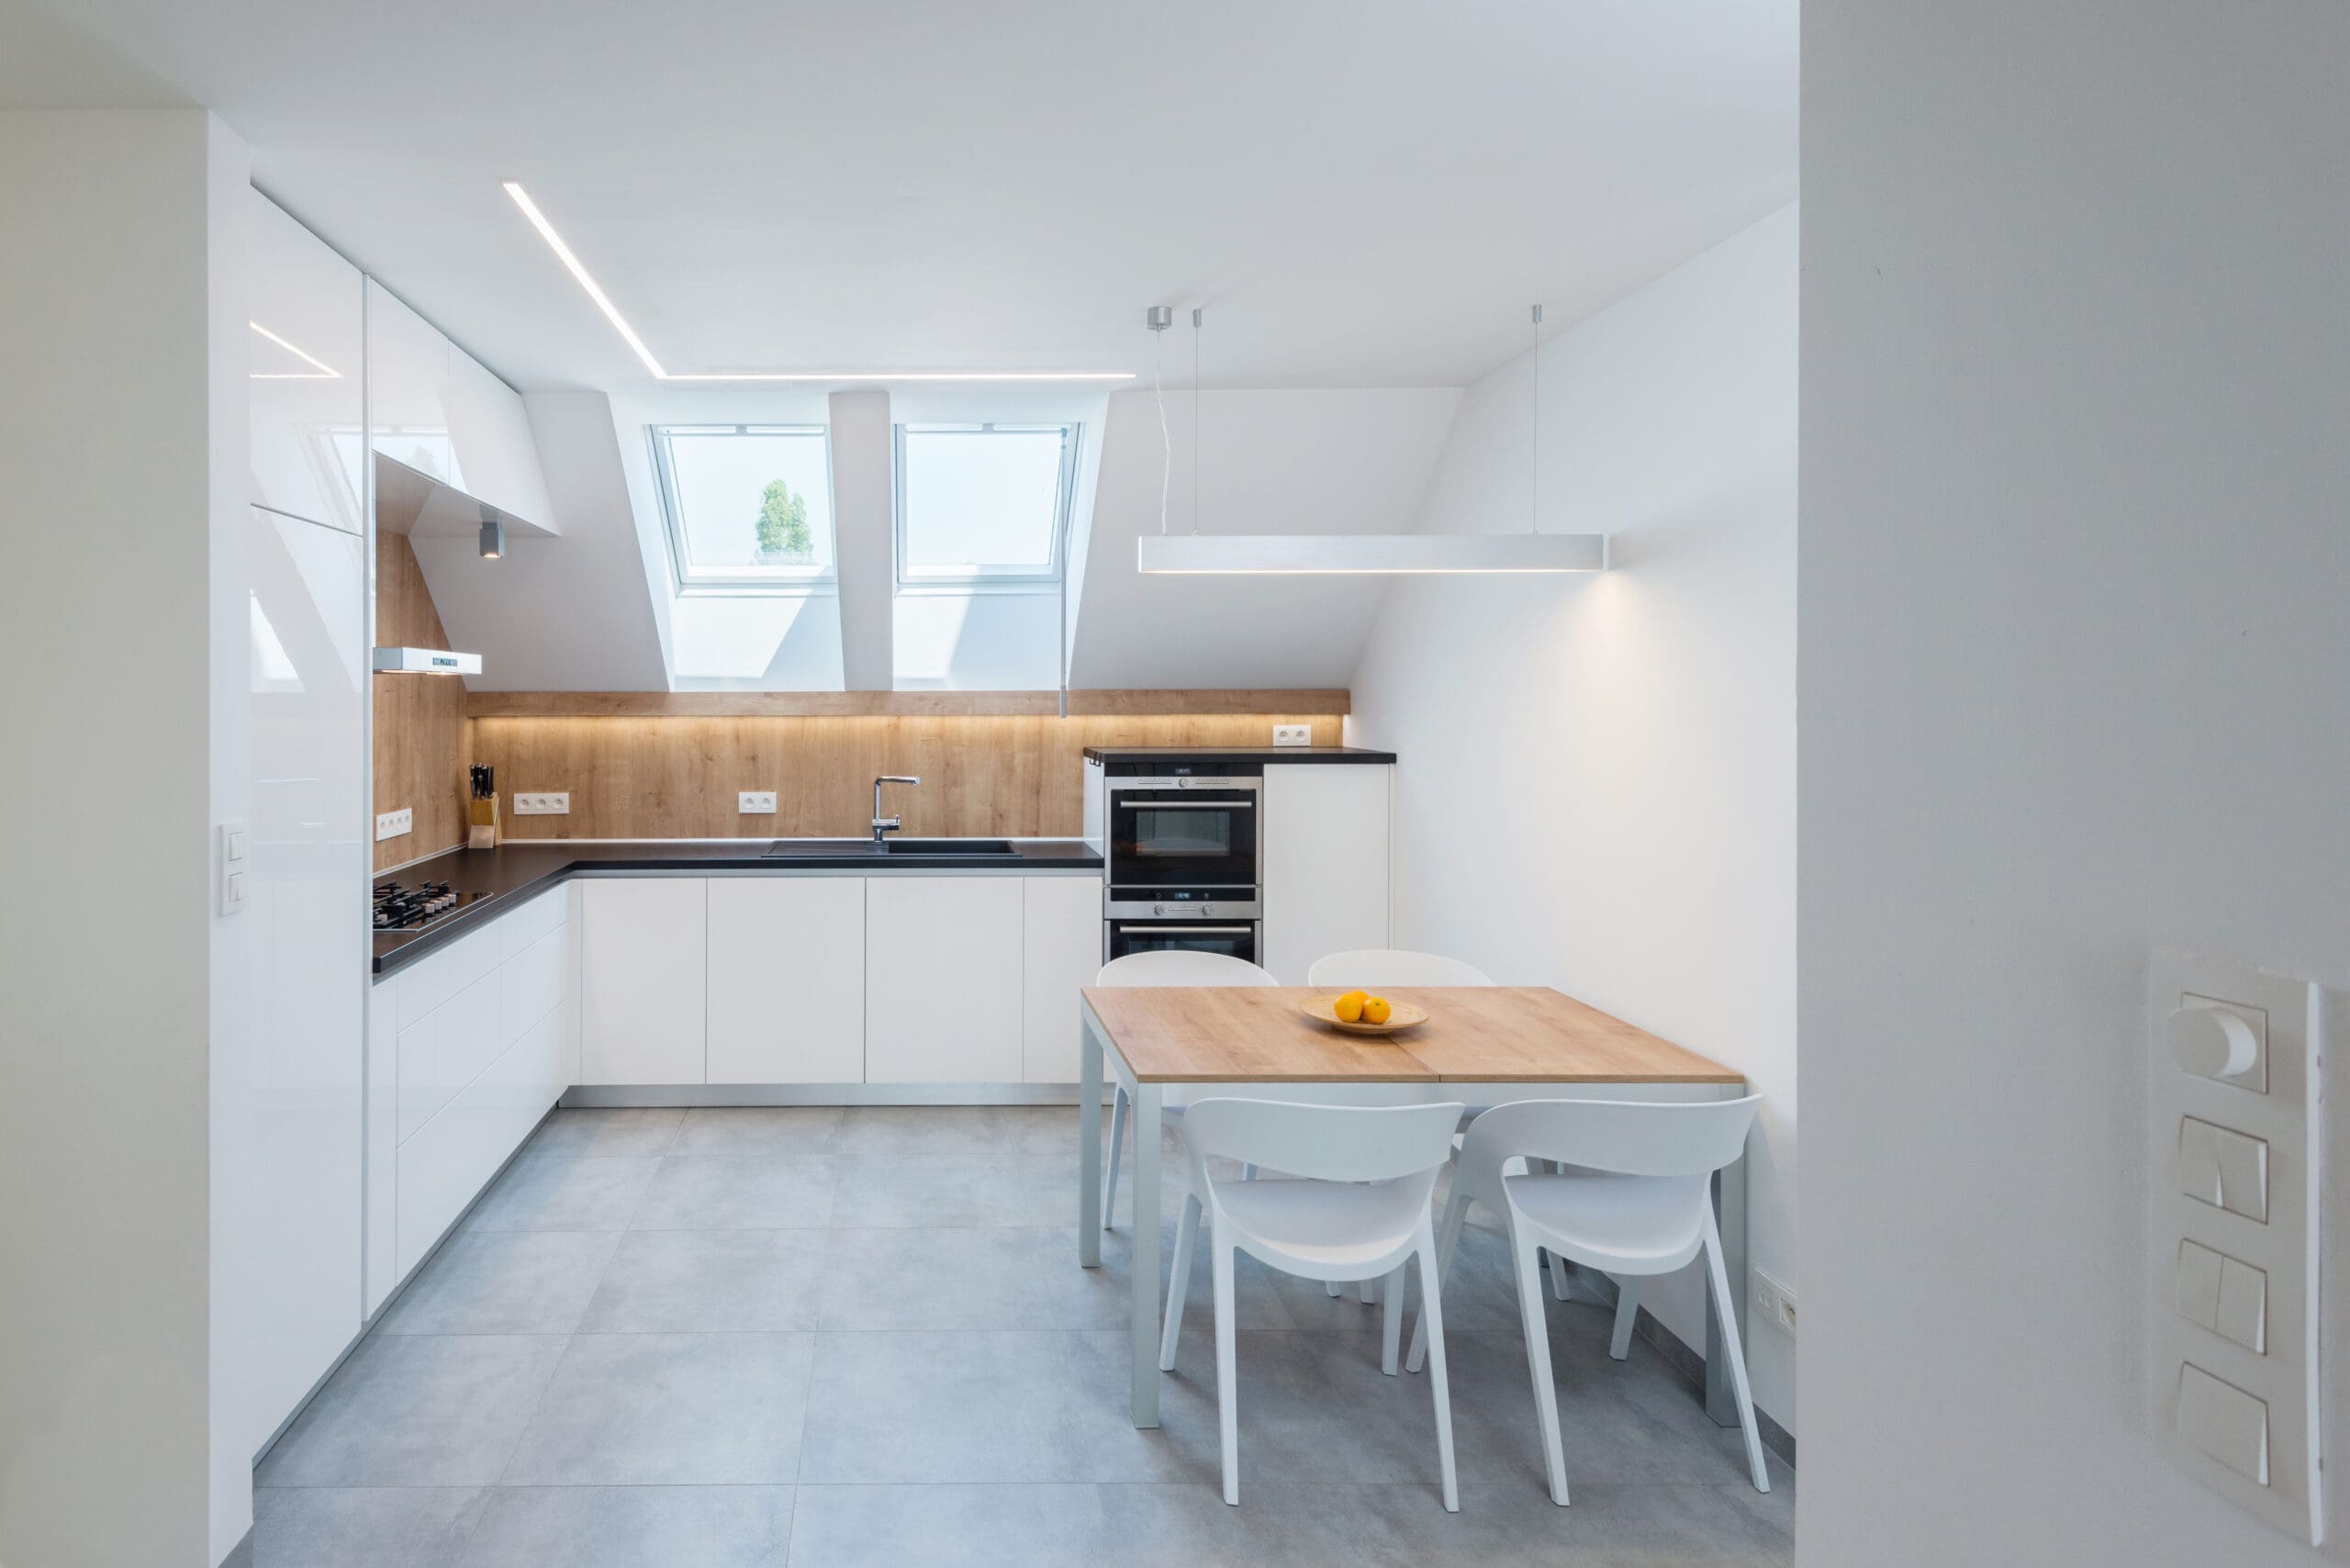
x: 628, y: 334
x: 1346, y: 554
x: 324, y: 373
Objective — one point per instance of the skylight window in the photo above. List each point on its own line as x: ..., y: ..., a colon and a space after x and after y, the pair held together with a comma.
x: 746, y: 505
x: 983, y: 505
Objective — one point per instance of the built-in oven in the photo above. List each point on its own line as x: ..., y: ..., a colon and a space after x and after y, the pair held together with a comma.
x: 1233, y: 938
x: 1178, y: 832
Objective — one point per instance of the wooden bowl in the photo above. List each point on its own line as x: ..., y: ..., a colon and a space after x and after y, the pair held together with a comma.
x: 1321, y: 1009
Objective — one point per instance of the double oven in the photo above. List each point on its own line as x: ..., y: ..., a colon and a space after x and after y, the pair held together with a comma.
x: 1181, y: 853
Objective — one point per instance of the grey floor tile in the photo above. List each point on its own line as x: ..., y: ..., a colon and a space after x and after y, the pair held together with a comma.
x: 564, y: 1192
x: 758, y: 1130
x: 931, y: 1130
x: 944, y: 1191
x: 363, y: 1527
x: 669, y: 1409
x: 632, y: 1130
x: 503, y: 1282
x: 424, y: 1410
x: 633, y: 1527
x: 738, y: 1192
x: 711, y: 1281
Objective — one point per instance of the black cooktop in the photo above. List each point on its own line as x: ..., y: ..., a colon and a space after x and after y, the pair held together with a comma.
x: 401, y: 908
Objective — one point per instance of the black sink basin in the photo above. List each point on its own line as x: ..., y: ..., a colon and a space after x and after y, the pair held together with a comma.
x: 865, y: 848
x: 970, y: 848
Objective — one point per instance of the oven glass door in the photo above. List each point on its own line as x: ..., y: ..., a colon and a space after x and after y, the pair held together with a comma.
x: 1236, y: 941
x: 1183, y: 838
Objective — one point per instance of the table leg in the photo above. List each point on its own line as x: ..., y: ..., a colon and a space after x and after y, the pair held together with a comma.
x: 1730, y: 1214
x: 1147, y: 1097
x: 1088, y: 1141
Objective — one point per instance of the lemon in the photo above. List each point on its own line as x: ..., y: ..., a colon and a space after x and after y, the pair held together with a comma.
x: 1347, y: 1009
x: 1375, y: 1010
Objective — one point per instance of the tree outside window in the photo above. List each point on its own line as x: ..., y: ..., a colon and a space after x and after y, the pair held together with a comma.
x: 783, y: 526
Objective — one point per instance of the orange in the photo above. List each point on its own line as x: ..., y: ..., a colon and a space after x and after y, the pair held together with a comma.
x: 1349, y: 1008
x: 1375, y: 1010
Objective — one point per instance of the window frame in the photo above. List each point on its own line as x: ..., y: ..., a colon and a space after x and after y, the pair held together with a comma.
x: 1009, y: 579
x: 786, y: 580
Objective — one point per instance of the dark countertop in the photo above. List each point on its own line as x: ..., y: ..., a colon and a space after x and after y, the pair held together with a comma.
x: 1255, y: 754
x: 515, y: 871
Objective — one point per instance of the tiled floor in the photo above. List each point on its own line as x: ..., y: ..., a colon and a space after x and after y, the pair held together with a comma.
x: 712, y: 1338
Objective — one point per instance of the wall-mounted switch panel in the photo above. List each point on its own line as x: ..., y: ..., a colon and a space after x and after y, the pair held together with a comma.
x: 2235, y: 1157
x: 542, y: 805
x: 235, y: 848
x: 1293, y: 735
x: 754, y: 803
x: 1774, y: 1302
x: 391, y: 824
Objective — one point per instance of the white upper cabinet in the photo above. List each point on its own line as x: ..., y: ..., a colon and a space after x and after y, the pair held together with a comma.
x: 1063, y: 932
x: 1324, y: 862
x: 496, y: 451
x: 303, y: 359
x: 787, y: 980
x: 408, y: 384
x: 942, y: 979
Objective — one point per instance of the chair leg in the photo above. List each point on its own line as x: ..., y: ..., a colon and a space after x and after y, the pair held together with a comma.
x: 1117, y: 1145
x: 1249, y: 1172
x: 1558, y: 1277
x: 1391, y: 1326
x: 1366, y: 1292
x: 1538, y: 1356
x: 1456, y: 1214
x: 1331, y: 1287
x: 1628, y: 1312
x: 1178, y: 1281
x: 1726, y: 1308
x: 1227, y: 1399
x: 1432, y: 1317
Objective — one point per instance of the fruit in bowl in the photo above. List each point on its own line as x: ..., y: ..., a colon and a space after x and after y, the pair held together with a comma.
x: 1376, y: 1010
x: 1350, y: 1008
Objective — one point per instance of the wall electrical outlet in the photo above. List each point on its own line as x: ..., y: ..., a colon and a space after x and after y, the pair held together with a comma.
x: 1774, y: 1302
x: 542, y: 805
x: 755, y: 802
x: 1293, y: 735
x: 392, y: 825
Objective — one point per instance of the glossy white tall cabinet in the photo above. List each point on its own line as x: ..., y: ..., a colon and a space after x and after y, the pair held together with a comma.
x: 1325, y: 862
x: 303, y: 372
x: 305, y: 906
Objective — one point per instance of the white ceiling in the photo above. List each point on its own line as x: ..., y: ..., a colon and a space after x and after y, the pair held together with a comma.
x: 1360, y: 193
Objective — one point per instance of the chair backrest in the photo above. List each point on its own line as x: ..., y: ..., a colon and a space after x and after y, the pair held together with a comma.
x: 1329, y: 1143
x: 1625, y: 1137
x: 1367, y: 966
x: 1175, y: 967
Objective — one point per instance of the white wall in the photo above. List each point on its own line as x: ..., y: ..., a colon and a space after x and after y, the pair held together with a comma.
x: 121, y: 400
x: 2075, y: 558
x: 1596, y: 778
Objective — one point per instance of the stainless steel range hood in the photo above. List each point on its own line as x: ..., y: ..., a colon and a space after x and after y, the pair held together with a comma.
x: 426, y: 661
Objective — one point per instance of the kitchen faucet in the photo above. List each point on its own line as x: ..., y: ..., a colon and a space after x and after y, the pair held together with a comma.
x: 882, y: 825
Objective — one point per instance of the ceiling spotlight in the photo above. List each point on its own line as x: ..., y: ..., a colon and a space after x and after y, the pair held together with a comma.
x: 493, y: 534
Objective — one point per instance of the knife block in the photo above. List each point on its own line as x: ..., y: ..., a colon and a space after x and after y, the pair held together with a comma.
x: 484, y: 832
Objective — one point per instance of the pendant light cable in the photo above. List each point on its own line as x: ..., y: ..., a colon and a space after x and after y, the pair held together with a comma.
x: 1166, y: 442
x: 1198, y: 429
x: 1534, y: 515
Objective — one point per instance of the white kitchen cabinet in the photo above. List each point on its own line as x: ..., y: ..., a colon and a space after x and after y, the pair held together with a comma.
x: 496, y: 451
x: 787, y: 980
x: 644, y: 980
x: 1061, y: 952
x: 447, y: 1049
x: 1324, y: 862
x: 304, y: 366
x: 452, y: 1157
x: 942, y: 979
x: 380, y: 1266
x: 407, y: 388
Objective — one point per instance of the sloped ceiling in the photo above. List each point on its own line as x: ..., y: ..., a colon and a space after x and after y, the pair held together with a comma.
x: 1300, y: 462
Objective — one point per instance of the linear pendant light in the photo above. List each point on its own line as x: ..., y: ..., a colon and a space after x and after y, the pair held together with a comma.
x: 611, y: 313
x: 1351, y: 554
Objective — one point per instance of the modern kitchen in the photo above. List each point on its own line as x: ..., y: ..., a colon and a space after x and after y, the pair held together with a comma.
x: 1022, y: 785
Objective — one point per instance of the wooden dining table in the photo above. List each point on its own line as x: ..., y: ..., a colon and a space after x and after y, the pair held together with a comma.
x: 1482, y: 1045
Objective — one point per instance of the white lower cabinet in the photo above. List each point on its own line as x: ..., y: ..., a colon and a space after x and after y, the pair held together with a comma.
x: 787, y: 980
x: 644, y: 982
x: 1062, y: 941
x: 943, y: 985
x: 453, y: 1156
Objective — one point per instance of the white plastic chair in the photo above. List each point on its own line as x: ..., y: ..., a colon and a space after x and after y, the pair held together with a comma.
x: 1636, y: 1203
x: 1162, y: 969
x: 1355, y: 1208
x: 1370, y: 966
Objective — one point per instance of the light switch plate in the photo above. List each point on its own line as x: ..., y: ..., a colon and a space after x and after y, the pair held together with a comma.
x: 391, y: 824
x: 754, y: 803
x: 542, y: 805
x: 234, y: 841
x: 1293, y: 735
x: 2234, y: 1169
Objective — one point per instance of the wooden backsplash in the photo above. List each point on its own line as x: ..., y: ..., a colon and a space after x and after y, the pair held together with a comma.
x: 421, y: 733
x: 983, y: 775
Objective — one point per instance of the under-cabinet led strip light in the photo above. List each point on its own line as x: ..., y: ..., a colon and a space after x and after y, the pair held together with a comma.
x: 628, y: 334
